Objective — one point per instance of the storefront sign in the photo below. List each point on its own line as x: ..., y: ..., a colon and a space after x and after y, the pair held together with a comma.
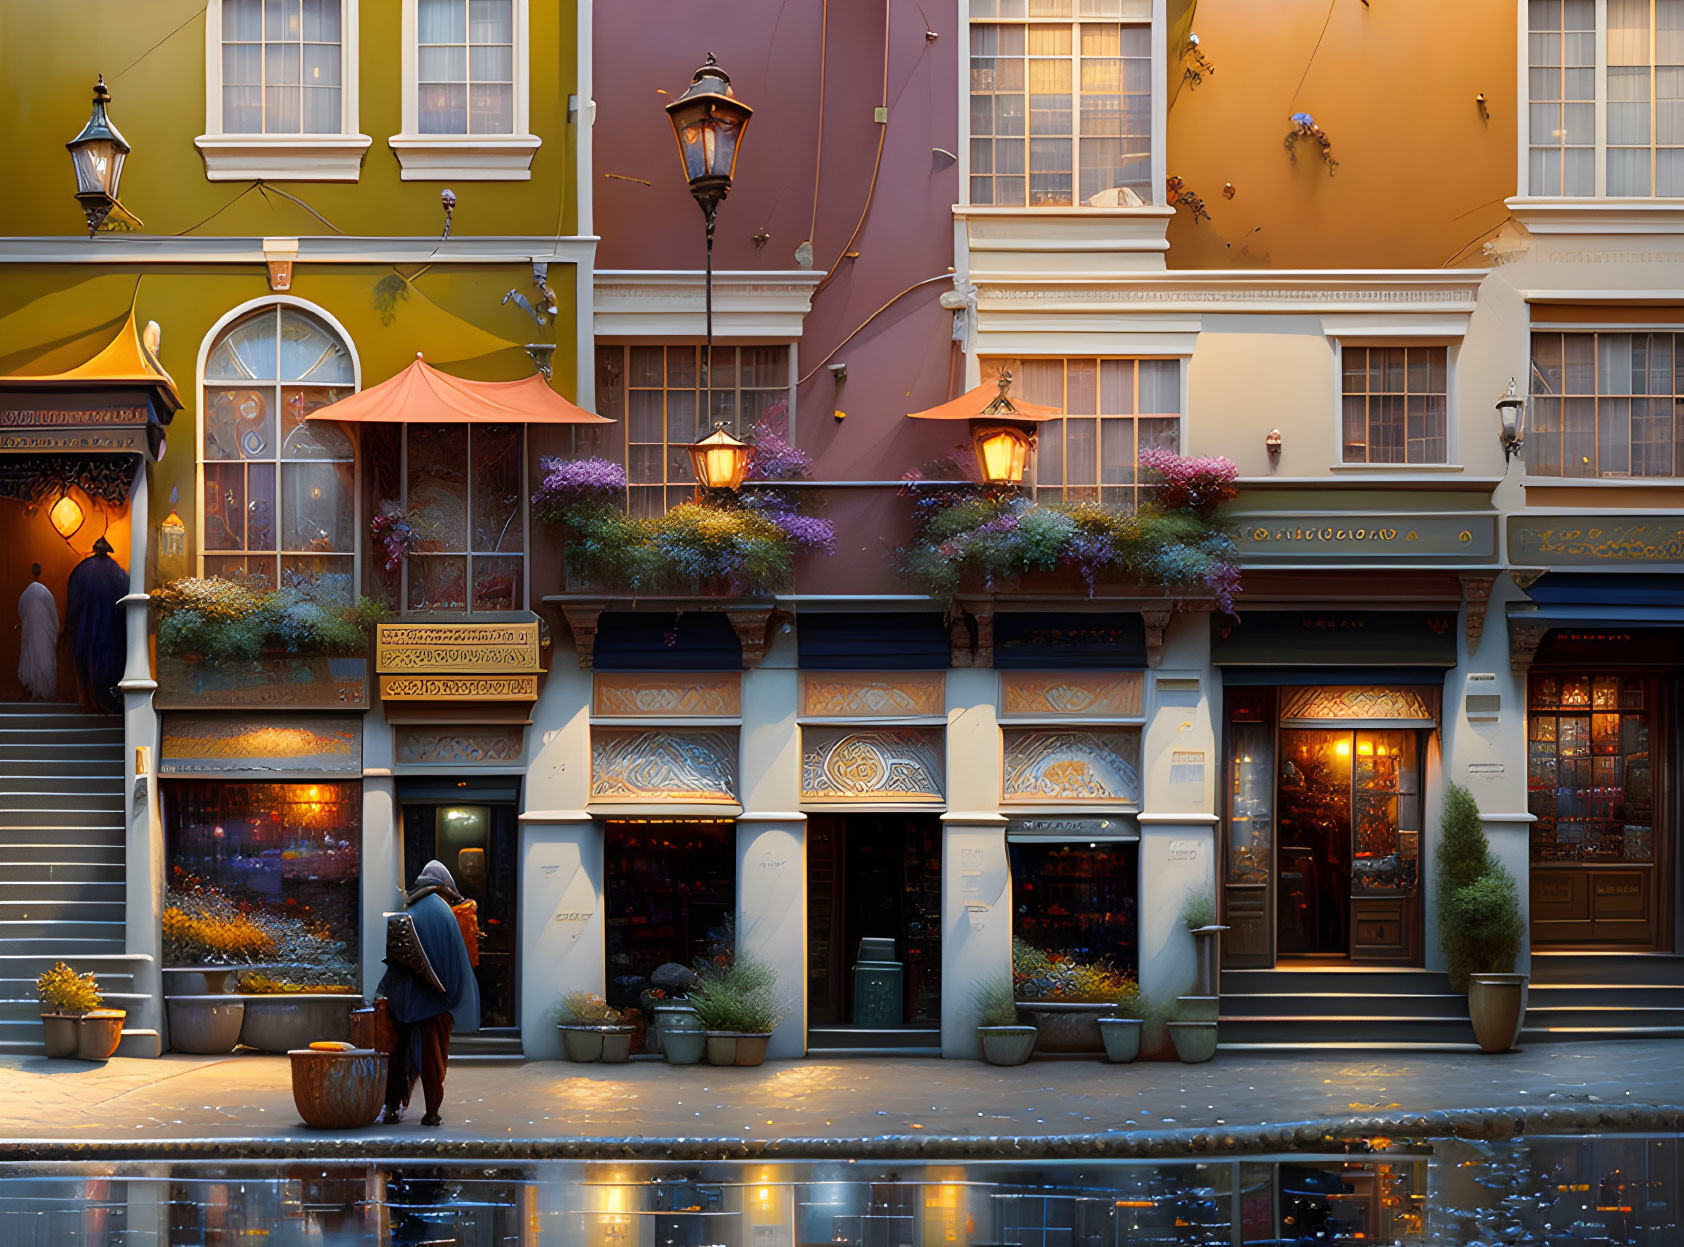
x: 1089, y: 829
x: 289, y: 682
x: 459, y: 687
x: 838, y: 694
x: 455, y: 746
x: 1052, y: 765
x: 1184, y: 851
x: 293, y: 745
x: 873, y: 764
x: 69, y: 409
x: 1336, y: 703
x: 658, y: 696
x: 1032, y: 694
x: 668, y: 764
x: 499, y: 648
x: 1335, y: 638
x: 1289, y: 537
x: 1594, y: 540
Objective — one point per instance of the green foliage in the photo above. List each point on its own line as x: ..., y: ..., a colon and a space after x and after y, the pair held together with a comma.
x: 589, y: 1009
x: 223, y: 620
x: 62, y: 990
x: 1199, y: 911
x: 996, y: 1002
x: 737, y: 995
x: 1038, y: 975
x: 1479, y: 921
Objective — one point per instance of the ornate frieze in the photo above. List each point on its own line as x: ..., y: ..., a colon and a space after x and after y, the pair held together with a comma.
x: 1056, y: 765
x: 835, y: 694
x: 487, y: 745
x: 191, y: 745
x: 1339, y: 702
x: 665, y: 764
x: 871, y: 764
x: 281, y: 681
x: 1595, y: 540
x: 459, y: 687
x: 458, y: 647
x: 708, y: 695
x: 1038, y: 694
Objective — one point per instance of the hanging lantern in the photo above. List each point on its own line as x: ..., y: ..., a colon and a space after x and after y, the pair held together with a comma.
x: 97, y: 154
x: 67, y: 516
x: 708, y: 121
x: 1002, y: 431
x: 1002, y: 451
x: 720, y: 461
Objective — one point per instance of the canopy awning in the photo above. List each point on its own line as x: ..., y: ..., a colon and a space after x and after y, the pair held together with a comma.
x: 989, y: 401
x: 421, y: 394
x: 129, y: 359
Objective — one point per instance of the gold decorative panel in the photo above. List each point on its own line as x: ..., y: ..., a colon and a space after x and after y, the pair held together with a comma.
x: 487, y: 745
x: 1342, y: 702
x: 459, y: 687
x: 712, y: 695
x: 872, y: 764
x: 492, y: 648
x: 1057, y: 765
x: 279, y: 682
x: 189, y: 745
x: 863, y: 695
x: 663, y: 764
x: 1111, y: 694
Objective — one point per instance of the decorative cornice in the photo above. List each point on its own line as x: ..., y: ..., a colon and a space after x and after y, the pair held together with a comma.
x: 672, y: 302
x: 1388, y: 290
x: 125, y: 249
x: 1598, y: 216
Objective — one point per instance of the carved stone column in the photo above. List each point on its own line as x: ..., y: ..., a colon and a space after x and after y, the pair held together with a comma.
x: 581, y: 620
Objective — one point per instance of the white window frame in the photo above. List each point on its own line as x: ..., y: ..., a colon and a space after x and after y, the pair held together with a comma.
x: 205, y: 347
x: 466, y: 157
x: 1452, y: 349
x: 1592, y: 325
x: 1160, y: 118
x: 283, y: 157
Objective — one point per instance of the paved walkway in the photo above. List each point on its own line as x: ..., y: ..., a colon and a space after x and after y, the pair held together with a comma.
x: 247, y: 1098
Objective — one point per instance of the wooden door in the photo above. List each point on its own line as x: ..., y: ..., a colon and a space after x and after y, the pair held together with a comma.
x: 1248, y: 901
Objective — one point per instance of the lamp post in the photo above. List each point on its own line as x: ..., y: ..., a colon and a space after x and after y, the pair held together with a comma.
x: 97, y: 154
x: 708, y: 121
x: 1511, y: 410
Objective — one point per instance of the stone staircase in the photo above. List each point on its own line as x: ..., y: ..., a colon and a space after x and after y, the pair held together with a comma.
x: 853, y: 1041
x: 61, y: 864
x: 1575, y: 996
x: 1342, y: 1007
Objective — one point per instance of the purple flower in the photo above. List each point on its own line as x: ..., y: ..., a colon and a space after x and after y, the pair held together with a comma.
x: 774, y: 458
x: 1302, y: 120
x: 1197, y: 484
x: 806, y: 531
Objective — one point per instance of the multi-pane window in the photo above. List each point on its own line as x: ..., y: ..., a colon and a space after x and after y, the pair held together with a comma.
x: 281, y: 67
x: 464, y: 484
x: 465, y: 66
x: 1061, y: 106
x: 279, y: 490
x: 1114, y: 409
x: 659, y: 398
x: 1641, y: 149
x: 1394, y: 404
x: 1605, y: 405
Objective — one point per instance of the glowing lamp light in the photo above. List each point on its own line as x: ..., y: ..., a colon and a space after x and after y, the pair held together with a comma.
x: 97, y: 155
x: 720, y: 461
x: 1002, y: 452
x: 67, y: 516
x: 1511, y: 413
x: 708, y: 121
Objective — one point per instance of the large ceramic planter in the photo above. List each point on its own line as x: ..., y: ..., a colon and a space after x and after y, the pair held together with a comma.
x: 736, y: 1047
x: 1066, y: 1026
x: 1497, y: 1007
x: 59, y: 1035
x: 1007, y: 1045
x: 684, y: 1047
x: 1121, y: 1037
x: 204, y: 1025
x: 338, y: 1090
x: 281, y: 1023
x: 98, y: 1032
x: 1195, y: 1042
x: 595, y: 1043
x: 666, y: 1018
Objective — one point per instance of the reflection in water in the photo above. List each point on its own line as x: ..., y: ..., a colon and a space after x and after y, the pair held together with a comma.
x: 1542, y: 1192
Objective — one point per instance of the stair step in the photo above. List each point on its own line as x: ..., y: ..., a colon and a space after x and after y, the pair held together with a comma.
x: 42, y: 910
x: 1607, y: 969
x: 1597, y: 996
x: 1450, y: 1004
x: 15, y: 891
x: 36, y: 873
x: 834, y: 1039
x: 58, y: 770
x: 31, y: 749
x: 51, y: 816
x: 71, y: 949
x: 1336, y: 1046
x: 1604, y: 1017
x: 1341, y: 1031
x: 1360, y: 980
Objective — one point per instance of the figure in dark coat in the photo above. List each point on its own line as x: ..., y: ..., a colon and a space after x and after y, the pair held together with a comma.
x: 94, y: 619
x: 422, y: 1016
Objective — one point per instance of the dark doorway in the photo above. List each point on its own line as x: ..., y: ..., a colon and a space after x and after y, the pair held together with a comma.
x: 476, y: 841
x: 872, y: 876
x: 669, y: 893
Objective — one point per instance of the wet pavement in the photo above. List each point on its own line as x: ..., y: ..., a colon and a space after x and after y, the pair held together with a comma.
x: 248, y: 1097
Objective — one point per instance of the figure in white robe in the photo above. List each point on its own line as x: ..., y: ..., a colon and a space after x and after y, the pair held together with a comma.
x: 38, y: 650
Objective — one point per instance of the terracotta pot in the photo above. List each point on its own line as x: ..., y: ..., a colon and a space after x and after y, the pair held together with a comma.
x: 1122, y: 1038
x: 1066, y: 1026
x: 684, y: 1047
x: 338, y: 1090
x: 1195, y: 1042
x: 736, y: 1048
x: 1497, y: 1007
x: 59, y: 1035
x: 204, y: 1024
x: 1007, y: 1045
x: 98, y: 1032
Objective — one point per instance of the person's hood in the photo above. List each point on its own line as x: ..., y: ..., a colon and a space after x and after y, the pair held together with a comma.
x: 434, y: 877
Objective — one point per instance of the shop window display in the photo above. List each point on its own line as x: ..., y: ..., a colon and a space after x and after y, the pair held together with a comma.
x: 669, y: 895
x: 266, y: 876
x: 1076, y: 902
x: 1589, y: 777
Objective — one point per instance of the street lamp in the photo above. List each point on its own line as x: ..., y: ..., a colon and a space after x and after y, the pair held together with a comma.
x: 720, y: 461
x: 1511, y: 410
x: 708, y: 121
x: 97, y: 155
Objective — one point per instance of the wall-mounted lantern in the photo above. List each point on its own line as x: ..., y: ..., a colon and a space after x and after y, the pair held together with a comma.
x: 1002, y: 431
x: 97, y: 154
x: 1511, y: 410
x: 67, y: 515
x: 720, y: 461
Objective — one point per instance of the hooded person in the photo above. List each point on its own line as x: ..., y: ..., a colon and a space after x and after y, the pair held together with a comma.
x: 94, y: 619
x: 424, y: 1013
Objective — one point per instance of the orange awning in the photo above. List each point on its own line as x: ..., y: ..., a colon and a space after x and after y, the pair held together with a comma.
x: 989, y: 401
x: 421, y: 394
x: 129, y: 359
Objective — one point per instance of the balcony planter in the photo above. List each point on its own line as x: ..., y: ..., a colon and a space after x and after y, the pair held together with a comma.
x: 1195, y: 1042
x: 1007, y: 1045
x: 1066, y: 1026
x: 204, y: 1024
x: 1497, y: 1007
x: 737, y: 1047
x: 282, y: 1023
x: 1121, y: 1037
x: 585, y: 1043
x: 338, y: 1087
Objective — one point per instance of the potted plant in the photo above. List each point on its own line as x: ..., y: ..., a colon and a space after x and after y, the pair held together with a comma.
x: 736, y: 1003
x: 1194, y: 1038
x: 1198, y: 915
x: 1004, y: 1038
x: 74, y: 1023
x: 1120, y: 1029
x: 1480, y: 925
x: 593, y: 1030
x: 1065, y: 998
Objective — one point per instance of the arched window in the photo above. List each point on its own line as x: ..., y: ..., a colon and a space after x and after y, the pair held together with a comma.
x: 280, y: 496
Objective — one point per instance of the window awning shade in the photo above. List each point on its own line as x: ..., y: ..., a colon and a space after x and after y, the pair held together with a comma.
x: 988, y: 401
x: 421, y: 394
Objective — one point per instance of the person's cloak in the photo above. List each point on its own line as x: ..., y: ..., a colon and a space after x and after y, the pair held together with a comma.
x: 38, y: 648
x: 97, y: 633
x: 410, y: 999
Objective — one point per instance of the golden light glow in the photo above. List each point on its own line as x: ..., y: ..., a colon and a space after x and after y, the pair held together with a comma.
x: 67, y: 516
x: 1343, y: 749
x: 720, y: 461
x: 1002, y: 452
